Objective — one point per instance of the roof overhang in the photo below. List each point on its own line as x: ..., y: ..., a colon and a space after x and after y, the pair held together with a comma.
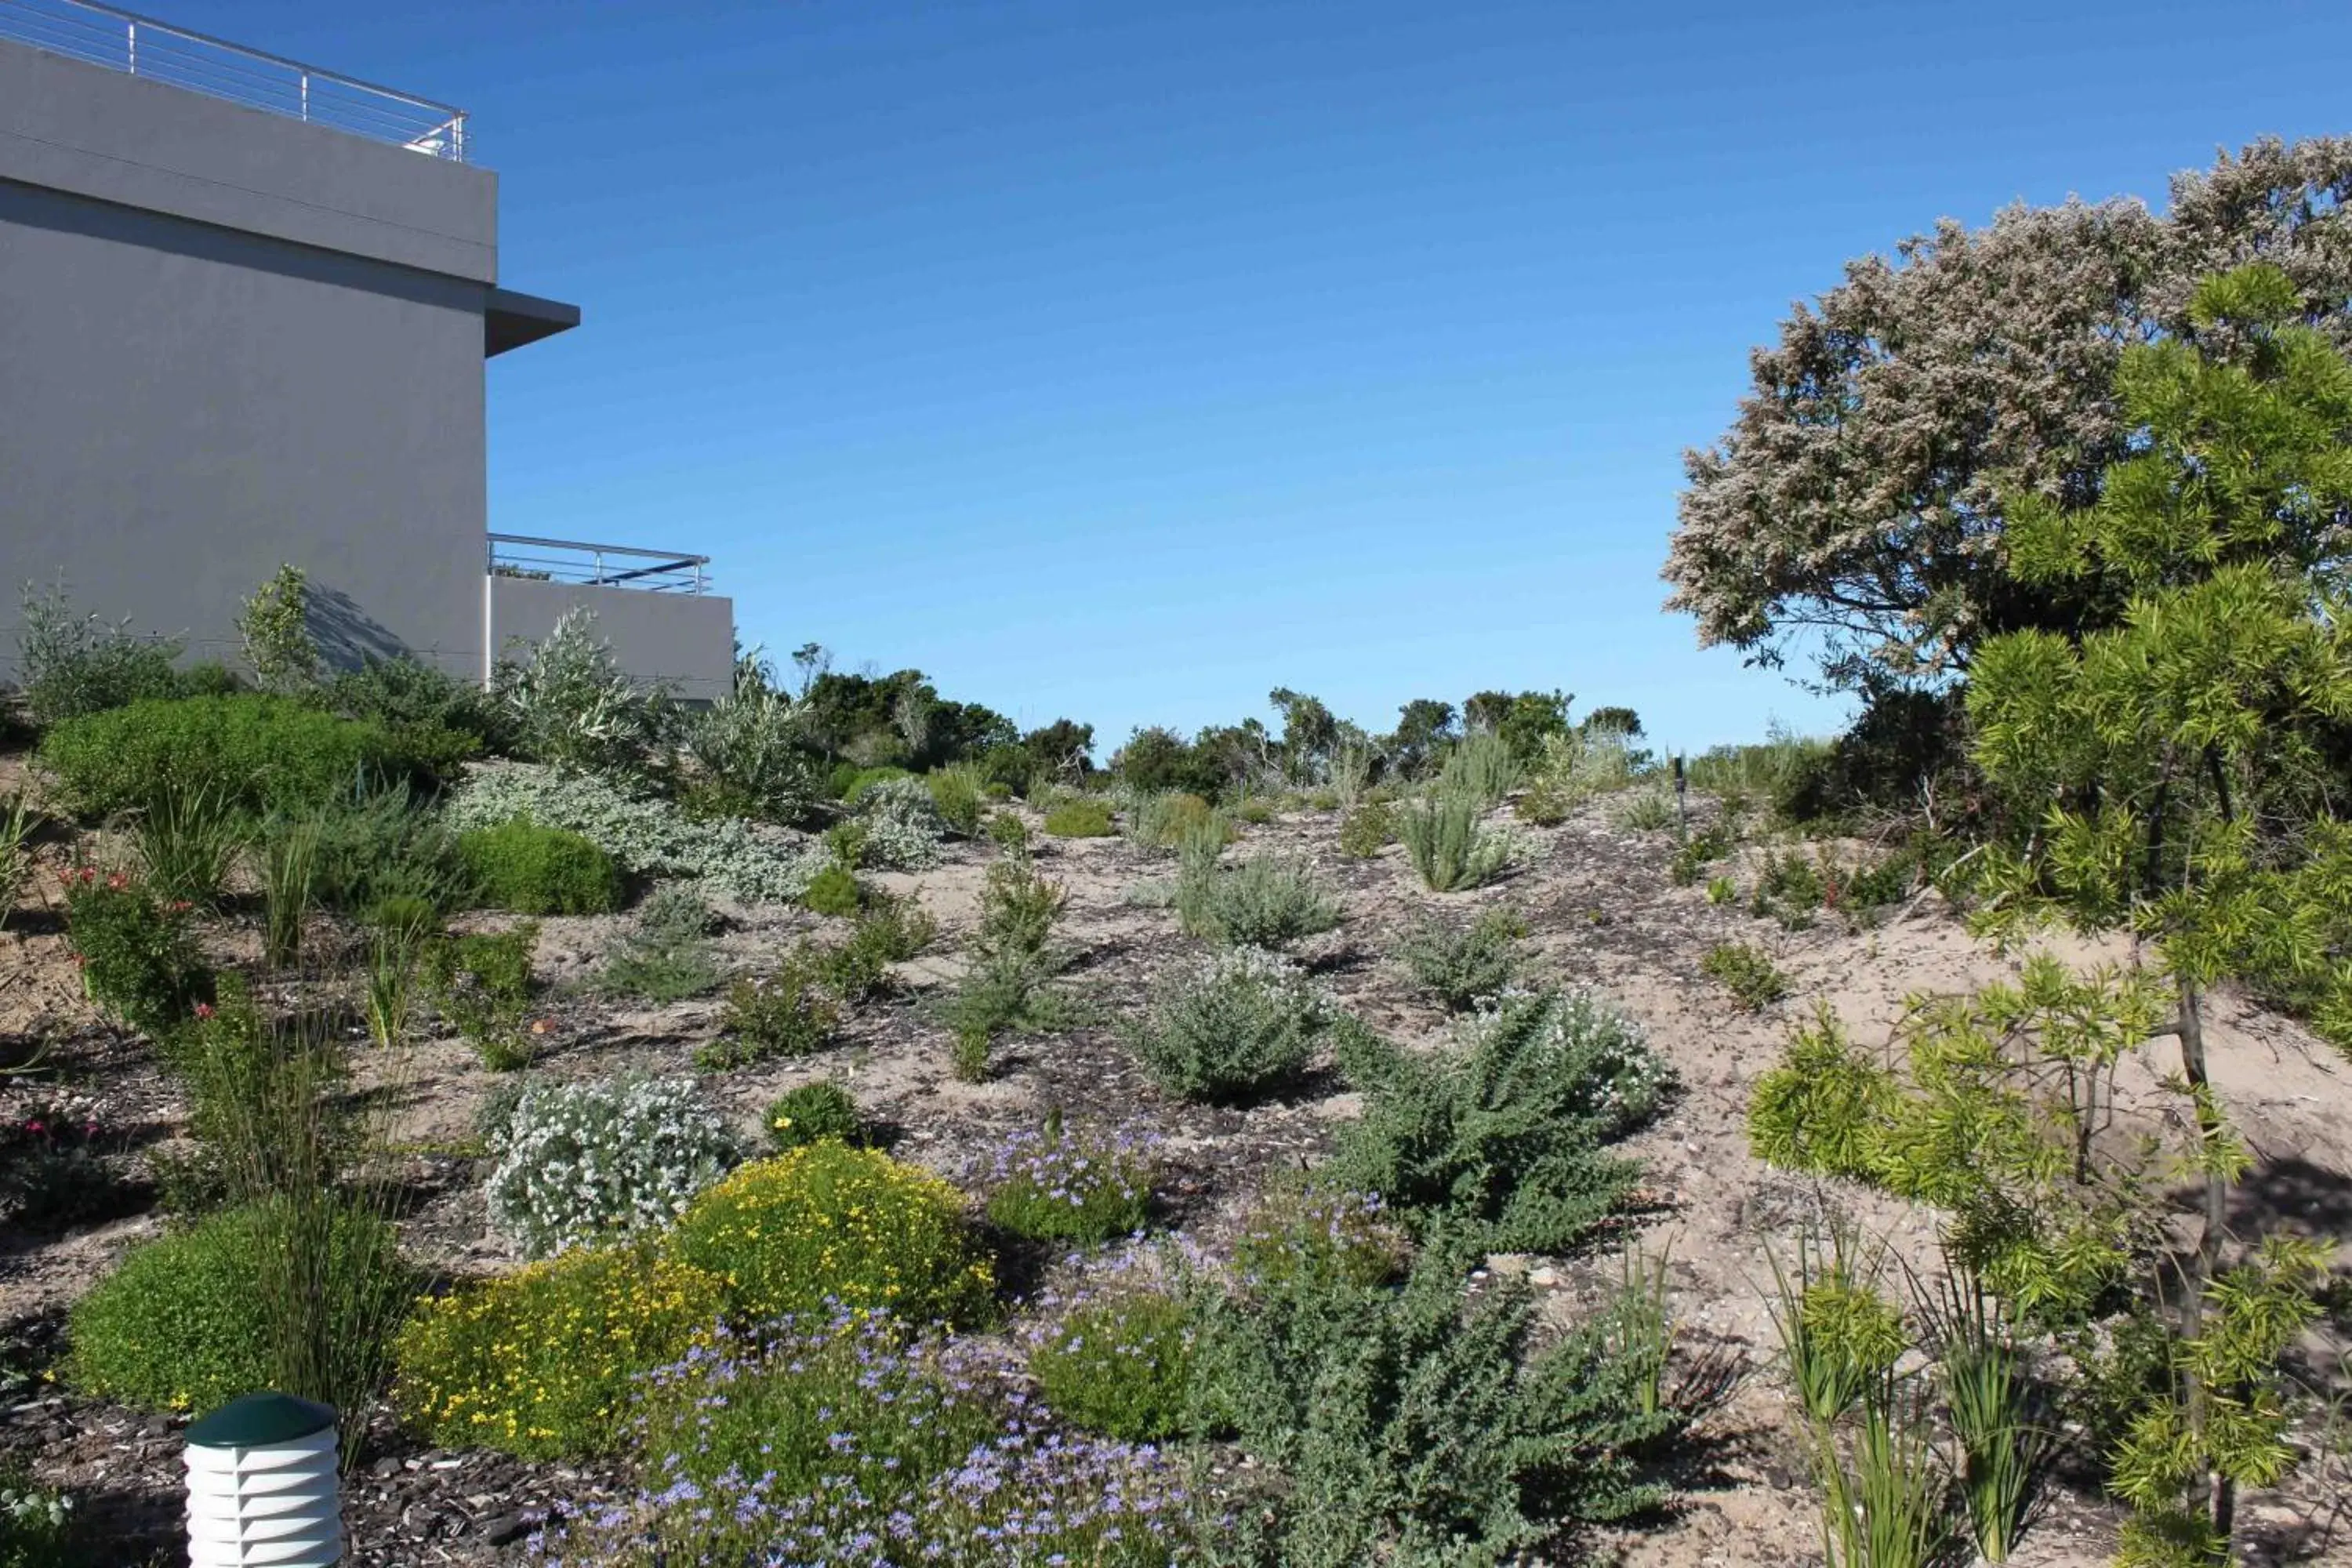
x: 511, y: 320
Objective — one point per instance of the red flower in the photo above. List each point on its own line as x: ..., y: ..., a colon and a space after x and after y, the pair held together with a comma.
x: 203, y: 1009
x: 179, y: 906
x: 33, y: 1126
x: 118, y: 882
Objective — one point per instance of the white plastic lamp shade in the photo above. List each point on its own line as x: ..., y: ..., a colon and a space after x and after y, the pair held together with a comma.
x: 262, y: 1486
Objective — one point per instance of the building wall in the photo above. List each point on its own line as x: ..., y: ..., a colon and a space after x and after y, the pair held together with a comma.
x: 687, y: 642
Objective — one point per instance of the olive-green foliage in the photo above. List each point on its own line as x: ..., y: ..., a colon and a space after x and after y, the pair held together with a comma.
x: 482, y: 984
x: 1417, y: 1426
x: 959, y: 792
x: 1506, y: 1137
x: 1821, y: 1108
x: 1446, y: 843
x: 1460, y: 966
x: 431, y: 716
x: 835, y: 891
x: 1258, y: 902
x: 1748, y: 973
x: 1697, y: 852
x: 256, y: 752
x: 1163, y: 819
x: 1839, y: 1336
x: 380, y: 846
x: 1121, y: 1366
x: 665, y: 955
x: 1238, y: 1023
x: 137, y: 954
x: 812, y: 1112
x: 567, y: 703
x: 888, y: 931
x: 1078, y: 816
x: 1368, y: 830
x: 1483, y: 768
x: 1009, y: 833
x: 180, y: 1325
x: 784, y: 1013
x: 1648, y: 811
x: 1008, y: 987
x: 274, y: 626
x: 748, y: 755
x: 536, y: 871
x: 69, y: 665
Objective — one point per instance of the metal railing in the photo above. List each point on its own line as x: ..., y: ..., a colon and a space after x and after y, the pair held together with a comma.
x: 142, y: 46
x: 598, y: 565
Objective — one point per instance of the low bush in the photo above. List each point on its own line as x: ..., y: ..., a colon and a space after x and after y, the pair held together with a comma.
x: 902, y: 827
x: 1448, y: 846
x: 835, y: 891
x: 648, y: 836
x: 482, y: 986
x: 1696, y: 853
x: 1078, y: 816
x: 535, y: 870
x: 888, y: 931
x: 438, y: 719
x: 1417, y: 1425
x: 1748, y: 972
x: 1230, y: 1025
x: 813, y: 1113
x: 1722, y: 891
x: 1503, y: 1139
x: 959, y: 796
x: 1008, y: 987
x: 138, y: 958
x: 55, y: 1164
x: 828, y: 1226
x: 665, y: 955
x: 1258, y: 902
x: 784, y: 1013
x: 1368, y: 830
x: 256, y: 752
x: 69, y: 666
x: 1009, y: 833
x: 1482, y: 768
x: 1317, y: 1231
x: 820, y: 1435
x: 849, y: 781
x: 36, y: 1524
x: 188, y: 844
x: 1648, y: 811
x: 381, y: 845
x: 1060, y: 1184
x: 747, y: 759
x: 542, y: 1363
x: 1460, y: 966
x: 1120, y: 1365
x: 180, y: 1324
x: 1163, y: 819
x: 587, y: 1164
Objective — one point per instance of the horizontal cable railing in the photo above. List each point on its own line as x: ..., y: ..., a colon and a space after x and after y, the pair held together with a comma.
x: 141, y: 46
x: 598, y: 565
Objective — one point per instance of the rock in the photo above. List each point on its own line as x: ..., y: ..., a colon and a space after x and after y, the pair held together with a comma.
x: 384, y: 1469
x: 1545, y: 1277
x: 506, y: 1529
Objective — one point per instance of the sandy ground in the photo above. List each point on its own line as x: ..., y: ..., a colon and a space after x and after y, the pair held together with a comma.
x: 1602, y: 912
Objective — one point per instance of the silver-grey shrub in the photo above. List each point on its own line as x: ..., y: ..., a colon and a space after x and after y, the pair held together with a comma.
x: 648, y: 836
x: 1447, y: 844
x: 902, y: 823
x: 571, y: 707
x: 581, y: 1165
x: 747, y: 755
x: 1230, y: 1025
x: 1258, y: 902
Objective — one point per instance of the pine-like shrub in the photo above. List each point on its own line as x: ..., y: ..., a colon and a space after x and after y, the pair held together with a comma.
x: 255, y: 752
x: 536, y: 871
x: 1507, y: 1136
x: 1748, y: 972
x: 587, y: 1164
x: 1258, y: 902
x: 1460, y: 966
x: 542, y: 1363
x: 835, y: 891
x: 179, y: 1325
x: 1482, y: 768
x: 665, y: 956
x: 1448, y: 846
x: 828, y: 1226
x: 784, y: 1013
x: 1235, y: 1023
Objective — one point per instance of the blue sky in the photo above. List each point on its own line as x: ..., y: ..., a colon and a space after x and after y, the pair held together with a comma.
x: 1125, y: 361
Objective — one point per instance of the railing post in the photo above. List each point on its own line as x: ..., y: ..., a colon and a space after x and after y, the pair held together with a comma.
x: 306, y: 95
x: 131, y: 30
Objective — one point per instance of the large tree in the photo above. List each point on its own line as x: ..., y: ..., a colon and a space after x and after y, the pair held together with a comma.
x: 1852, y: 513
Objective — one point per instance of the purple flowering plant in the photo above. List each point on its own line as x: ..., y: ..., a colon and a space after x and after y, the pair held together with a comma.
x: 1067, y: 1185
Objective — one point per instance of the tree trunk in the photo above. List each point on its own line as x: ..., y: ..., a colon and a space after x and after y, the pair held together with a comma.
x: 2222, y: 1498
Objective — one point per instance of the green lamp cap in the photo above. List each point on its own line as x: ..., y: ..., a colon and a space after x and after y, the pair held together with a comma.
x: 261, y: 1420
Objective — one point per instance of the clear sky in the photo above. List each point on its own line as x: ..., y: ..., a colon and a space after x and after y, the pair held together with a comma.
x: 1125, y: 361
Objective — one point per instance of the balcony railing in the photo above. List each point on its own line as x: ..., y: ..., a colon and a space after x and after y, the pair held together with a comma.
x: 144, y: 47
x: 598, y: 565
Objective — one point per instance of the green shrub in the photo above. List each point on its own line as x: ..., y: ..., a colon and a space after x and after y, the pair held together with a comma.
x: 1158, y: 759
x: 1823, y: 1107
x: 181, y: 1326
x: 1649, y: 811
x: 1722, y: 891
x: 849, y: 781
x: 648, y: 836
x: 1448, y: 846
x: 835, y: 891
x: 900, y: 827
x: 1697, y: 852
x: 785, y: 1013
x: 69, y: 665
x: 812, y: 1113
x: 1316, y: 1233
x: 748, y: 757
x: 138, y: 960
x: 1009, y: 833
x: 1058, y: 1184
x: 1503, y: 1139
x: 665, y: 956
x: 827, y: 1227
x: 1368, y: 830
x: 1748, y: 972
x: 1007, y: 988
x: 258, y: 753
x: 542, y: 1363
x: 1258, y: 902
x: 1081, y: 817
x: 535, y: 870
x: 482, y: 984
x: 1121, y: 1366
x: 1483, y: 769
x: 1233, y: 1024
x: 1163, y: 820
x: 1421, y: 1426
x: 188, y: 842
x: 1256, y: 810
x: 267, y: 1101
x: 1543, y: 805
x: 1461, y: 966
x: 957, y: 793
x: 888, y: 931
x: 438, y: 720
x: 380, y: 846
x: 36, y: 1525
x: 568, y: 704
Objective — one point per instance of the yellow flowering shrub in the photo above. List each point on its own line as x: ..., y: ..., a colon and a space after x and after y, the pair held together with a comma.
x: 830, y: 1224
x: 539, y: 1363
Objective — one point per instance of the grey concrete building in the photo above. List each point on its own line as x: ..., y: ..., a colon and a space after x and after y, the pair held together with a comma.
x: 244, y: 311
